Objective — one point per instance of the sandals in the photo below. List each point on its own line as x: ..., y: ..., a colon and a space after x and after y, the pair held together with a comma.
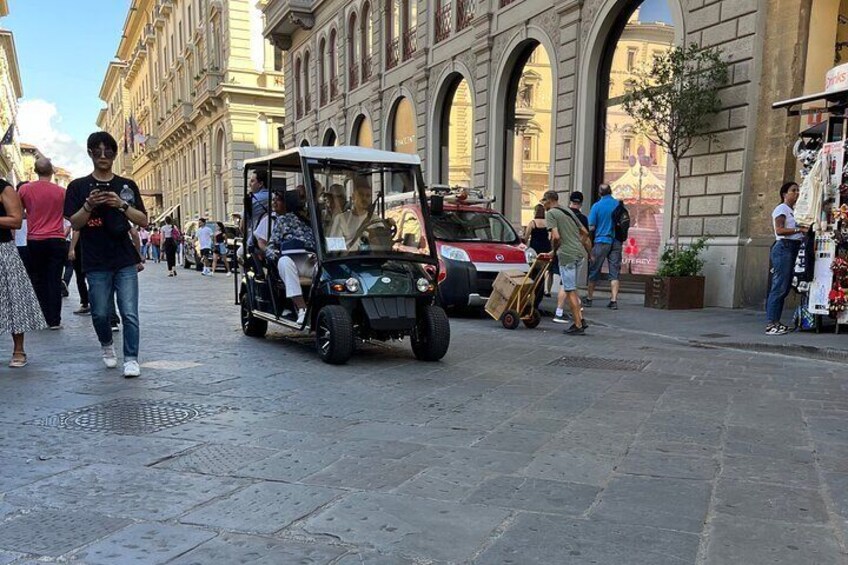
x: 19, y: 360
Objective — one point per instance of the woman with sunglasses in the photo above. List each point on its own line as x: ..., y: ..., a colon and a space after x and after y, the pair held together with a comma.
x: 19, y: 309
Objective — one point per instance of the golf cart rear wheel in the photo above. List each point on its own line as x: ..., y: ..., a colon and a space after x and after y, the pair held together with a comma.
x: 431, y: 337
x: 334, y: 335
x: 511, y: 319
x: 250, y: 324
x: 534, y: 320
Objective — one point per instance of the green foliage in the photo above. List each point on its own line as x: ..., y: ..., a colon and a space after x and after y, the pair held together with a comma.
x: 673, y: 101
x: 685, y: 262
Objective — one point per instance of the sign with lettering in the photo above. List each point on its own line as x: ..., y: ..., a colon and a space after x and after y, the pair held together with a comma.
x: 837, y: 79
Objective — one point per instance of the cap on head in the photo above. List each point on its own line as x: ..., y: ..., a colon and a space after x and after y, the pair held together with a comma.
x: 576, y: 197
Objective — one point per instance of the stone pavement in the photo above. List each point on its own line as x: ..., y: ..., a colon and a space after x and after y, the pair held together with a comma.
x: 620, y: 447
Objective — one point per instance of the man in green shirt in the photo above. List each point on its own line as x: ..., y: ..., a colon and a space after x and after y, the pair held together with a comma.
x: 565, y: 231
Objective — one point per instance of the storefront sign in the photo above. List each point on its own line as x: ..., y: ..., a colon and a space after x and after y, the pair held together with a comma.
x: 834, y: 153
x: 836, y: 79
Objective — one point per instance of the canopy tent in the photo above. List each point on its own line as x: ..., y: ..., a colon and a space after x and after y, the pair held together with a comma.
x: 627, y: 186
x: 169, y: 212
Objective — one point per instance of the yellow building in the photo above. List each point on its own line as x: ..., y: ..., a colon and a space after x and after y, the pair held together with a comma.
x: 11, y: 161
x: 62, y: 176
x: 201, y: 92
x: 113, y: 118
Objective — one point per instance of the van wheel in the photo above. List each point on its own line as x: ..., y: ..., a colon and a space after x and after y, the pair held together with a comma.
x: 511, y: 319
x: 431, y: 336
x: 334, y: 335
x: 250, y: 324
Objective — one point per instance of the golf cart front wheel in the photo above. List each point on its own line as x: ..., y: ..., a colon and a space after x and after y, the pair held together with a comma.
x: 431, y: 336
x: 334, y: 335
x: 511, y: 319
x: 250, y: 324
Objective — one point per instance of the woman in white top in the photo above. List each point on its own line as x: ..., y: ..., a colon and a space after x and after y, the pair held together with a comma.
x: 169, y: 246
x: 783, y: 254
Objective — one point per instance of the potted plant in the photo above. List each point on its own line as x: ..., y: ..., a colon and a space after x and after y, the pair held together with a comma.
x: 672, y: 102
x: 678, y: 284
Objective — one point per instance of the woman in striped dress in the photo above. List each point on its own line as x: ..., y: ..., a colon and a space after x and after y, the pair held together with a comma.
x: 19, y: 309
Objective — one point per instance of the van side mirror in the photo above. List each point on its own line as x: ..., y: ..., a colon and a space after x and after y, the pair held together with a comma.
x: 437, y: 204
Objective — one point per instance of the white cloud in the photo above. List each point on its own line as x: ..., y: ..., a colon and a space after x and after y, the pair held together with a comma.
x: 40, y: 124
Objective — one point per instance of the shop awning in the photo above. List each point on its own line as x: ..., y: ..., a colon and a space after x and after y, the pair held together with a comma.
x: 835, y: 96
x: 165, y: 214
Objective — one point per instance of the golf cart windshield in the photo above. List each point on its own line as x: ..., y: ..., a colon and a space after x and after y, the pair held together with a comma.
x: 459, y: 225
x: 360, y: 206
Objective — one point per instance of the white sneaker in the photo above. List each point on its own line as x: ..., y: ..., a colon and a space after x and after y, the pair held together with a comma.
x: 229, y: 274
x: 131, y: 369
x: 301, y: 316
x: 109, y: 357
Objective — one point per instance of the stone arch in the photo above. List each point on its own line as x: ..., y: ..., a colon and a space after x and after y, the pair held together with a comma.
x: 330, y: 137
x: 445, y: 85
x: 501, y: 142
x: 362, y: 115
x: 389, y: 112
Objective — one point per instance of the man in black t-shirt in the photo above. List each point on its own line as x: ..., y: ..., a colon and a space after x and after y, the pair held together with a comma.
x: 103, y: 207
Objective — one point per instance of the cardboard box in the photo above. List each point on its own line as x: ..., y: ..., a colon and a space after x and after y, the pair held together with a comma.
x: 506, y: 287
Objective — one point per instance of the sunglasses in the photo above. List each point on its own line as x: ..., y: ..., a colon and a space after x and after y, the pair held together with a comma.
x: 107, y: 153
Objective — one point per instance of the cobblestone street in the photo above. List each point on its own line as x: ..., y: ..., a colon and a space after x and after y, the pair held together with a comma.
x: 620, y: 447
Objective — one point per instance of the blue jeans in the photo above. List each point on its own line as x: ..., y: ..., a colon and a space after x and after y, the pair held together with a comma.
x: 783, y: 256
x: 155, y: 249
x: 123, y: 284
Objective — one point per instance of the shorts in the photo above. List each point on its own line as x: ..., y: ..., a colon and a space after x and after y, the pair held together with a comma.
x: 205, y: 253
x: 612, y: 253
x: 568, y: 275
x: 221, y: 248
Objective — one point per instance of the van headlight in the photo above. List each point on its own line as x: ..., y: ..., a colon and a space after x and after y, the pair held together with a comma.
x: 455, y: 254
x: 530, y: 255
x: 352, y: 285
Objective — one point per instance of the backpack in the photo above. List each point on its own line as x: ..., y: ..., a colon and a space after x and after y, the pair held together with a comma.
x: 620, y: 222
x: 176, y: 235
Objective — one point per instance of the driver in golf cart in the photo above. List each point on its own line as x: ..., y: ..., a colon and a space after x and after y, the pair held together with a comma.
x: 290, y: 249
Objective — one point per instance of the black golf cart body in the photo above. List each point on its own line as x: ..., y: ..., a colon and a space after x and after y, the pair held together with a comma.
x: 359, y: 282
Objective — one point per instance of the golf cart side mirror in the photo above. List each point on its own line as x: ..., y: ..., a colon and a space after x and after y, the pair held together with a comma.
x: 437, y: 204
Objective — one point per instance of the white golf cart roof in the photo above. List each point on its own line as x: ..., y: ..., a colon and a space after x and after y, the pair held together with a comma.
x: 290, y: 158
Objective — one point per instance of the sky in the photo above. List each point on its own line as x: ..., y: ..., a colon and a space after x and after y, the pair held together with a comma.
x: 655, y: 11
x: 63, y: 47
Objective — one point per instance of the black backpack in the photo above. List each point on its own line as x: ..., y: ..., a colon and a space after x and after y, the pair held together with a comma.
x: 620, y: 222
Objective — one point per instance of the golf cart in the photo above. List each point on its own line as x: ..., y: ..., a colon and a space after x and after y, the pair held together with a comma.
x: 359, y: 280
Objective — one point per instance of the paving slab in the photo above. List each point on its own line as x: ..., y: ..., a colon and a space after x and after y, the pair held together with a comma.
x: 770, y: 502
x: 442, y: 483
x: 148, y: 543
x: 264, y: 508
x: 547, y: 539
x: 143, y: 494
x: 409, y: 526
x: 740, y: 539
x: 535, y: 495
x: 215, y: 459
x: 365, y: 473
x: 235, y: 549
x: 790, y: 473
x: 53, y: 533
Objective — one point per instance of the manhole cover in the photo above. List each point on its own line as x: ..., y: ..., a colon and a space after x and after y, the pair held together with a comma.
x: 129, y: 416
x: 600, y: 363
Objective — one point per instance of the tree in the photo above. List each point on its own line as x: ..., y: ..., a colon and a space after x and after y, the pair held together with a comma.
x: 672, y: 102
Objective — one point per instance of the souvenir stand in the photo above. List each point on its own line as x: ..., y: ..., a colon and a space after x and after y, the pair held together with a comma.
x: 821, y: 273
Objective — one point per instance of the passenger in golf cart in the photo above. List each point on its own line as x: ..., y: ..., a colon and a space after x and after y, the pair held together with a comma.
x: 335, y: 262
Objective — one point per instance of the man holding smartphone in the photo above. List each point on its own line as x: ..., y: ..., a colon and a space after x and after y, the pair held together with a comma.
x: 104, y: 207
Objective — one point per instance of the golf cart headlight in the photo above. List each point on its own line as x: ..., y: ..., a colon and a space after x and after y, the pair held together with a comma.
x: 455, y: 254
x: 422, y: 284
x: 352, y: 285
x: 530, y: 254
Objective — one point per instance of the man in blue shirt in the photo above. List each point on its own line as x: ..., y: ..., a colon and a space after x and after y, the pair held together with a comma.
x: 606, y: 246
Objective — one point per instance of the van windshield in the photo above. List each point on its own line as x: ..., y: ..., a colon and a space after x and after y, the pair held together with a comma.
x: 468, y: 225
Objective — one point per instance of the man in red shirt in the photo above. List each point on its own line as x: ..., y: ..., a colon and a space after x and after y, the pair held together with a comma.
x: 44, y: 203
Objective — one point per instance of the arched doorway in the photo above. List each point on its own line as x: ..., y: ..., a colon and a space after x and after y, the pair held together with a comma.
x: 529, y: 134
x: 403, y: 131
x: 219, y: 152
x: 628, y: 161
x: 363, y: 135
x: 456, y: 134
x: 330, y: 138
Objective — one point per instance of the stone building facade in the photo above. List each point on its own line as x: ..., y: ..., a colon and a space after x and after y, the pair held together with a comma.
x: 380, y: 55
x: 201, y: 93
x: 11, y: 160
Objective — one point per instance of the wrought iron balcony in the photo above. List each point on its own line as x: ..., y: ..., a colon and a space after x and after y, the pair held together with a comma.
x: 366, y: 68
x: 323, y: 98
x: 410, y: 43
x: 392, y: 53
x: 353, y: 76
x: 443, y: 22
x: 464, y: 13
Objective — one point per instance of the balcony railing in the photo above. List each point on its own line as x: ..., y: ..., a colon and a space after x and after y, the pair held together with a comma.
x: 506, y: 2
x: 307, y: 102
x: 410, y: 43
x: 464, y: 13
x: 334, y: 88
x: 323, y: 99
x: 443, y: 22
x: 299, y: 107
x: 366, y: 68
x: 353, y: 76
x: 392, y: 53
